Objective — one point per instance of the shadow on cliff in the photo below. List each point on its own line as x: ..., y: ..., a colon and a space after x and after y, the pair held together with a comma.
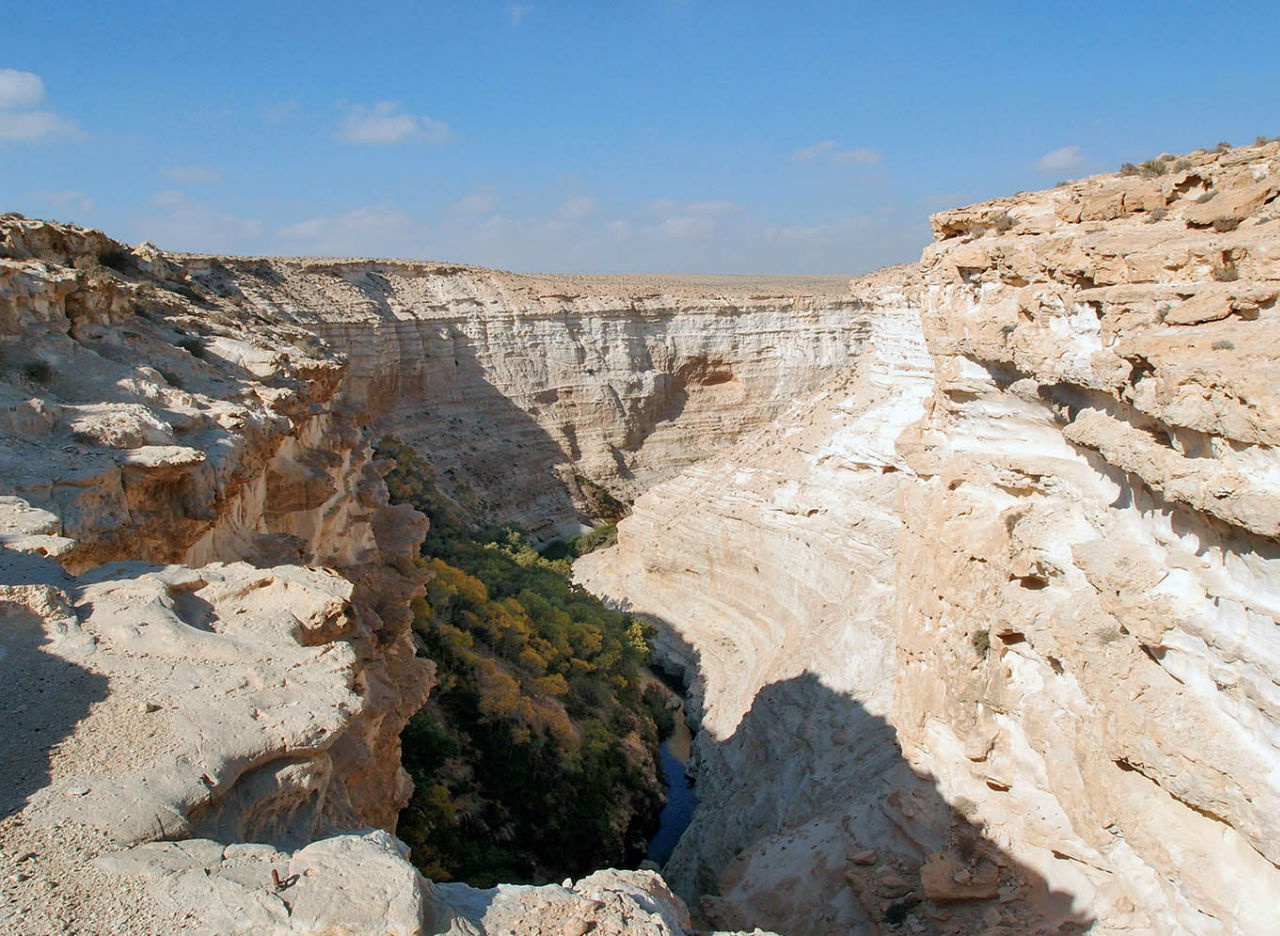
x: 43, y: 696
x: 489, y: 455
x: 809, y: 771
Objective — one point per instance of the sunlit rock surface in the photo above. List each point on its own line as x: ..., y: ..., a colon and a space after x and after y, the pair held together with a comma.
x: 971, y: 568
x: 516, y: 387
x: 1068, y: 619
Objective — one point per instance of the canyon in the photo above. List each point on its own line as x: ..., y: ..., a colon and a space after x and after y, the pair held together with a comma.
x: 970, y: 568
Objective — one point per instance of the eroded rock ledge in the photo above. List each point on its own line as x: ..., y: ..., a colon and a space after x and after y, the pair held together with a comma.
x: 516, y: 388
x: 974, y: 573
x: 204, y: 611
x: 1054, y: 586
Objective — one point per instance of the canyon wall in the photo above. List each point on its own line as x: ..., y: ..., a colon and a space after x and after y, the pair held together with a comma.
x: 972, y: 569
x: 204, y: 595
x: 1053, y: 587
x: 1088, y: 597
x: 516, y: 388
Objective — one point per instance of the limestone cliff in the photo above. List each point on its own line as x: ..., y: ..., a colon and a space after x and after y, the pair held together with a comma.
x: 517, y: 387
x: 1088, y: 602
x: 157, y: 685
x: 972, y: 569
x: 1060, y: 598
x: 204, y: 595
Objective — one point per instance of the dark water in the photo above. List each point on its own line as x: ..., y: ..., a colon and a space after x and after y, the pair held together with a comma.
x: 676, y: 815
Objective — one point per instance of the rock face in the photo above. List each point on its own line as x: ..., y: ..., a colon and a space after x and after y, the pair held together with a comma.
x: 973, y: 569
x: 1060, y: 602
x: 1088, y: 605
x: 516, y: 388
x: 204, y: 595
x: 158, y: 685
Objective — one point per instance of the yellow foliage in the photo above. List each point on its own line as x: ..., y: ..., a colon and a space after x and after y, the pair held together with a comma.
x: 530, y: 659
x: 555, y: 685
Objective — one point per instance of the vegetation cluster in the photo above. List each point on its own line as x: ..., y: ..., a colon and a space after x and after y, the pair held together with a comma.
x: 536, y: 757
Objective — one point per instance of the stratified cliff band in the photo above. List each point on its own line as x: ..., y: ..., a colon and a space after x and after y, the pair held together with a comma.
x: 971, y: 568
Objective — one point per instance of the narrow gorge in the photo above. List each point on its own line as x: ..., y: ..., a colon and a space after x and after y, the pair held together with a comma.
x: 971, y: 569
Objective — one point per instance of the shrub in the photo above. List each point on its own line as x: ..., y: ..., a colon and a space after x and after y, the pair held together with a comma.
x: 1157, y: 214
x: 1153, y: 167
x: 186, y: 290
x: 1222, y: 147
x: 193, y: 346
x: 536, y: 723
x: 117, y: 259
x: 1004, y: 223
x: 1128, y: 169
x: 1224, y: 345
x: 1181, y: 165
x: 1225, y: 273
x: 981, y: 642
x: 37, y: 371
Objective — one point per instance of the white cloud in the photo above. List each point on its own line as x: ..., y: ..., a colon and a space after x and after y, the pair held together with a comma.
x: 686, y: 227
x: 19, y: 89
x: 193, y: 175
x: 710, y: 236
x: 194, y: 226
x: 714, y: 208
x: 862, y: 156
x: 827, y: 149
x: 807, y: 153
x: 578, y: 207
x: 481, y: 201
x: 1061, y: 160
x: 376, y: 231
x: 70, y: 200
x: 278, y: 112
x: 168, y: 198
x: 35, y: 126
x: 662, y: 207
x: 518, y: 11
x: 383, y: 126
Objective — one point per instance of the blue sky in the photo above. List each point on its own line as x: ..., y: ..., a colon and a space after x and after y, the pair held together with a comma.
x: 586, y: 136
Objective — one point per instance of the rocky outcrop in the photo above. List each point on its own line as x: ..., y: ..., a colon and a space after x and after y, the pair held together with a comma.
x: 770, y: 572
x: 1087, y: 612
x: 1059, y: 605
x: 198, y: 561
x: 204, y: 592
x: 972, y: 569
x: 362, y: 884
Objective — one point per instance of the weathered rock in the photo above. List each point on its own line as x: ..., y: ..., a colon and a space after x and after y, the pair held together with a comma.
x: 1075, y: 648
x: 622, y: 381
x: 991, y: 610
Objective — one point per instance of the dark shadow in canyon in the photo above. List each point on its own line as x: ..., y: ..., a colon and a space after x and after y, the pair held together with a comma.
x: 489, y: 455
x: 803, y: 752
x: 43, y: 696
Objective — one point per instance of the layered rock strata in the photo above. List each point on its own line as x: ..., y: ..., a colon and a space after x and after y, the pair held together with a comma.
x: 1067, y: 619
x: 982, y: 630
x: 525, y: 392
x: 204, y: 618
x: 770, y: 572
x: 205, y: 624
x: 1089, y: 604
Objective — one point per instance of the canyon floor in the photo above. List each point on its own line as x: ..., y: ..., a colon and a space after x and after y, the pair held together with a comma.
x: 972, y: 568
